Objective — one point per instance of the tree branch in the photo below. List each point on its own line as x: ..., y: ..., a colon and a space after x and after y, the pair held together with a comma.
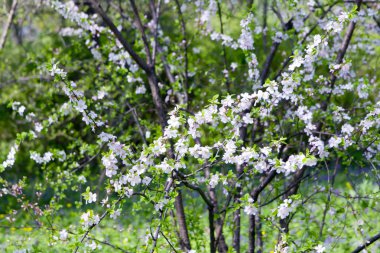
x: 8, y: 24
x: 119, y: 36
x: 142, y: 31
x: 367, y: 243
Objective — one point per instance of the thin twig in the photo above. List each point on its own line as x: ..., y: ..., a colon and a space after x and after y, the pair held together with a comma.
x: 8, y: 24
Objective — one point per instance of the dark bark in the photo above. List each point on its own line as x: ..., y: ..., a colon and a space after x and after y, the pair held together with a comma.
x: 265, y: 17
x: 181, y: 218
x: 237, y: 219
x: 268, y: 62
x: 259, y: 239
x: 212, y: 229
x: 238, y: 195
x: 220, y: 242
x: 367, y: 243
x: 255, y: 194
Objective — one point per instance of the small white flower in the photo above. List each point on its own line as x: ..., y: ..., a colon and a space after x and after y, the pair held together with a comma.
x: 228, y: 101
x: 82, y: 179
x: 297, y: 62
x: 63, y: 235
x: 247, y: 119
x: 285, y: 209
x: 21, y: 110
x: 317, y: 40
x: 334, y: 142
x: 38, y: 127
x: 115, y: 214
x: 214, y: 180
x: 91, y: 197
x: 92, y: 245
x: 146, y: 180
x: 250, y: 210
x: 57, y: 71
x: 347, y: 129
x: 81, y: 106
x: 319, y: 248
x: 104, y: 137
x: 245, y: 40
x: 48, y: 156
x: 343, y: 17
x: 160, y: 205
x: 141, y: 89
x: 234, y: 65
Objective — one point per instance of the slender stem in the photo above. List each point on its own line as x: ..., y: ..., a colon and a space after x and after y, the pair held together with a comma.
x: 186, y: 46
x: 327, y: 206
x: 226, y: 67
x: 7, y: 24
x: 142, y: 31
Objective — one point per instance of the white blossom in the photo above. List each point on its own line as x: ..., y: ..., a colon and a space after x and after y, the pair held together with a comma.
x: 319, y: 248
x: 347, y: 129
x: 285, y: 208
x: 81, y: 106
x: 115, y: 214
x: 214, y: 180
x: 63, y: 235
x: 297, y: 62
x: 110, y: 163
x: 91, y: 198
x: 11, y: 157
x: 141, y: 89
